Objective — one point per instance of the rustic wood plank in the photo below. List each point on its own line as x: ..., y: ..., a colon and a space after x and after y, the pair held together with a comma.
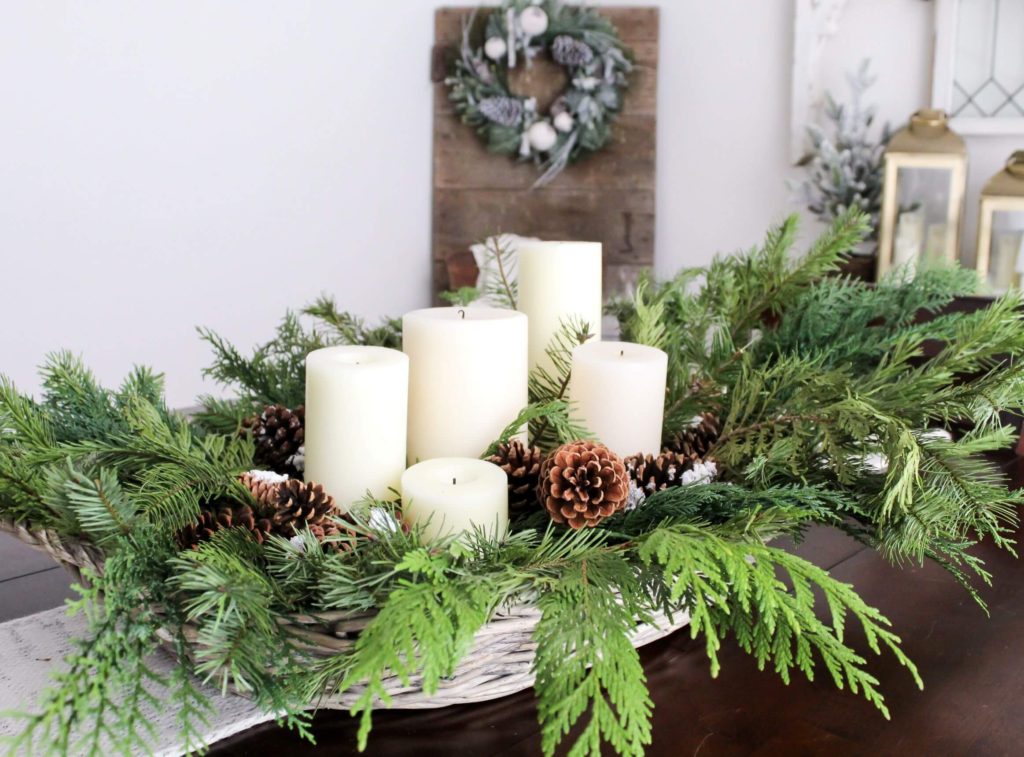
x: 607, y: 197
x: 461, y: 161
x: 623, y: 220
x: 632, y: 24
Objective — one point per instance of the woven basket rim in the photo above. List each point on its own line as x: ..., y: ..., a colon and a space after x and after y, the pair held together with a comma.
x: 499, y: 663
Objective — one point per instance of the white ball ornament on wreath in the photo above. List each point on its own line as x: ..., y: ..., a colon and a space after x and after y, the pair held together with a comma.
x: 542, y: 136
x: 564, y: 122
x: 533, y: 21
x: 495, y: 48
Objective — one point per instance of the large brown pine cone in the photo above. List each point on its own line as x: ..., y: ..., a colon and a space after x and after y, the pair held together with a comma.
x: 300, y: 504
x: 279, y: 434
x: 582, y: 483
x: 522, y: 465
x: 223, y: 514
x: 698, y: 439
x: 653, y: 473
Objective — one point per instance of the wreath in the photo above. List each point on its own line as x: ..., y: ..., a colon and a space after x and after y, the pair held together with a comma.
x: 579, y: 120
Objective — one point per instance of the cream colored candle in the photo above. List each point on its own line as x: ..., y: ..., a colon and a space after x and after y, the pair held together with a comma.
x: 558, y: 282
x: 618, y: 394
x: 467, y: 378
x: 449, y: 495
x: 356, y: 420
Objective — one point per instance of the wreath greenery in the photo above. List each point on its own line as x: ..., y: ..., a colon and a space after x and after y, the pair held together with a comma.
x: 579, y: 121
x: 809, y: 375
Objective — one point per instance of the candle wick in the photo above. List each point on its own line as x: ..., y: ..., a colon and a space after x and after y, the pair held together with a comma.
x: 462, y: 314
x: 622, y: 353
x: 453, y: 481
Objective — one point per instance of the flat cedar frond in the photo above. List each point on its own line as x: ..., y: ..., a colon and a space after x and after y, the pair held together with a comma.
x: 734, y: 588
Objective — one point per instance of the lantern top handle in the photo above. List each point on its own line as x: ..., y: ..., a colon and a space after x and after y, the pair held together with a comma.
x: 1015, y: 164
x: 929, y: 122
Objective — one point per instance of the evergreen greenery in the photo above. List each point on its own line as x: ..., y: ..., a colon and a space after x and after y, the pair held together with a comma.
x: 809, y: 375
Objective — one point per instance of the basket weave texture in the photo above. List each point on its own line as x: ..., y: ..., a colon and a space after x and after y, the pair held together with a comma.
x: 499, y: 663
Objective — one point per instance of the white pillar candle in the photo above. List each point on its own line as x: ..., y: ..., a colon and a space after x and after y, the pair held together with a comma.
x: 558, y: 282
x: 356, y: 420
x: 467, y: 378
x: 618, y: 394
x: 449, y: 495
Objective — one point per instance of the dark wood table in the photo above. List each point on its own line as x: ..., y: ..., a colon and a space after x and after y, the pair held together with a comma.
x: 971, y: 664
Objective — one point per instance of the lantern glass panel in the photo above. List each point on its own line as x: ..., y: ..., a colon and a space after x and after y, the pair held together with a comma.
x: 922, y: 225
x: 1005, y: 255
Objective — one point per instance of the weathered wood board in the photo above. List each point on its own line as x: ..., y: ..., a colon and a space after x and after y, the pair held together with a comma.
x: 607, y: 197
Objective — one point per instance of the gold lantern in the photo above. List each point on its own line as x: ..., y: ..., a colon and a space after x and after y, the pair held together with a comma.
x: 923, y: 196
x: 1000, y: 257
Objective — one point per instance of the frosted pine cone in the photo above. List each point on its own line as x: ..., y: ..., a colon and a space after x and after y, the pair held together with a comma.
x: 569, y: 51
x: 582, y: 483
x: 653, y: 473
x: 506, y: 111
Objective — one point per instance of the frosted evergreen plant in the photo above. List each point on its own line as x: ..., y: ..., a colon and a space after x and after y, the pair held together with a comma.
x: 844, y: 160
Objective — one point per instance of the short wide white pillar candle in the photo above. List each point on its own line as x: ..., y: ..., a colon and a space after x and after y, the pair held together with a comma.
x: 356, y: 421
x: 449, y: 495
x: 617, y: 393
x: 558, y: 283
x: 467, y: 378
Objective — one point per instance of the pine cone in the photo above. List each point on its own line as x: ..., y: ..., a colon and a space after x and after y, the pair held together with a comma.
x: 582, y: 483
x: 698, y: 439
x: 223, y: 514
x: 279, y: 434
x: 327, y: 532
x: 264, y: 486
x: 653, y: 473
x: 505, y: 111
x: 300, y: 504
x: 522, y: 464
x: 569, y: 51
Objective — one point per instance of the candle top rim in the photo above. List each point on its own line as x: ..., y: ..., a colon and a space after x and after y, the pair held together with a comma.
x: 450, y: 467
x: 357, y: 356
x: 631, y: 351
x: 476, y: 314
x: 567, y: 245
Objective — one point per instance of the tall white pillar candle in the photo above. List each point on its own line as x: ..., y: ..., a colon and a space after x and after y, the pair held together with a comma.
x: 467, y: 378
x: 617, y: 393
x: 356, y: 421
x: 448, y: 495
x: 558, y: 282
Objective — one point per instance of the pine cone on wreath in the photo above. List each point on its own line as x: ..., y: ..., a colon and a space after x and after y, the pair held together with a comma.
x: 279, y: 434
x: 582, y: 483
x: 223, y: 514
x: 569, y: 51
x: 300, y: 504
x: 522, y: 465
x: 505, y: 111
x: 654, y: 473
x: 698, y: 439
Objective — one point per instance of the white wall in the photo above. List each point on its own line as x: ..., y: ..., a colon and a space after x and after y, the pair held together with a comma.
x: 167, y: 164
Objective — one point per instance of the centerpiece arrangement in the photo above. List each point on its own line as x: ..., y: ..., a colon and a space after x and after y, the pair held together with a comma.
x: 456, y: 505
